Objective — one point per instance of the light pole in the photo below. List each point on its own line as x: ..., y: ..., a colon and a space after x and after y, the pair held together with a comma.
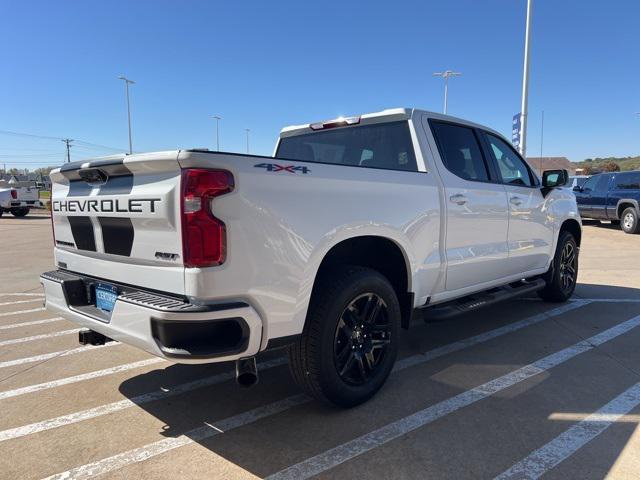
x: 126, y: 86
x: 446, y: 74
x: 247, y: 130
x: 525, y: 85
x: 541, y: 140
x: 218, y: 118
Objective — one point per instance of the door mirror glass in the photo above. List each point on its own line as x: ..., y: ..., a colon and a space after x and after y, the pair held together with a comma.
x: 554, y: 178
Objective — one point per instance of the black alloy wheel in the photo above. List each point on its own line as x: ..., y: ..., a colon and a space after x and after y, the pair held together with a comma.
x: 362, y: 337
x: 568, y: 267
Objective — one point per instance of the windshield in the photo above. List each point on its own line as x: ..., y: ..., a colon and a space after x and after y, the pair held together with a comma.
x: 383, y: 145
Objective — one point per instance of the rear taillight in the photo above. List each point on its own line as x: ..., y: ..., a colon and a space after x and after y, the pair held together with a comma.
x: 204, y: 242
x: 14, y: 194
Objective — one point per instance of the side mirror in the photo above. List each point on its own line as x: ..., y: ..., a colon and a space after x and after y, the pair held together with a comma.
x: 555, y: 178
x: 577, y: 188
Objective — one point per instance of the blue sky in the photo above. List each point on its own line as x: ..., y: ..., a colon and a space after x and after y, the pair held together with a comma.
x: 263, y: 65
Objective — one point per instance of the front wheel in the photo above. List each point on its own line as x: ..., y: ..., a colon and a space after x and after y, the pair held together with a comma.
x: 19, y: 211
x: 350, y: 340
x: 562, y: 277
x: 629, y: 221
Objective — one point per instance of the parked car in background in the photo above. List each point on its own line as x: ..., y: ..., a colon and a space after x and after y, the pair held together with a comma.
x: 18, y: 200
x: 611, y: 196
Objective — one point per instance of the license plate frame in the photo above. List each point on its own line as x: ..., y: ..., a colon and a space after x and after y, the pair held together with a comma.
x: 106, y: 295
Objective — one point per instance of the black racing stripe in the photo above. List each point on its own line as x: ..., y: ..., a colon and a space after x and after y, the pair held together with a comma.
x: 120, y: 185
x: 105, y: 162
x: 79, y: 188
x: 117, y: 235
x: 67, y: 167
x: 82, y: 231
x: 70, y: 170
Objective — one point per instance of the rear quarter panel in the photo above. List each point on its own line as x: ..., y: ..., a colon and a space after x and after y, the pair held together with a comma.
x: 280, y: 225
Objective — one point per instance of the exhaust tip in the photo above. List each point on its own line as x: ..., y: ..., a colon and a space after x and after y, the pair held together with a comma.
x: 246, y: 372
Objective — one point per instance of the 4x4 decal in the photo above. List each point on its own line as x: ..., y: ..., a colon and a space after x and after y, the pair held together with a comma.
x: 274, y: 167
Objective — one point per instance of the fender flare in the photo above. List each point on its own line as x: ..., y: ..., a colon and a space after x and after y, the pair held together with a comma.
x: 626, y: 200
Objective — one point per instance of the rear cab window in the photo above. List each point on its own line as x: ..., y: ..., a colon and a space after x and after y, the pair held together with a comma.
x: 380, y: 145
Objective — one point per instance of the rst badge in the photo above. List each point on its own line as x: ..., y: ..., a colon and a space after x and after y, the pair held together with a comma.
x: 274, y: 167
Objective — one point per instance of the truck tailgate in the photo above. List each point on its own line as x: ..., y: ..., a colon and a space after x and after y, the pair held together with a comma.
x: 118, y: 218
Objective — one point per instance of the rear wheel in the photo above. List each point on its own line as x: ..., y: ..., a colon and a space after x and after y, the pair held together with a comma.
x: 562, y: 276
x: 350, y: 340
x: 629, y: 221
x: 19, y: 211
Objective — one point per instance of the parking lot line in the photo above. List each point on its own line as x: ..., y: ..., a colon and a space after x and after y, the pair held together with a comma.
x: 7, y: 314
x: 47, y: 356
x: 32, y: 338
x: 24, y: 294
x: 364, y: 443
x: 206, y: 431
x: 79, y: 378
x: 28, y: 324
x: 31, y: 300
x: 185, y: 387
x: 108, y: 408
x: 311, y: 466
x: 609, y: 300
x: 571, y: 440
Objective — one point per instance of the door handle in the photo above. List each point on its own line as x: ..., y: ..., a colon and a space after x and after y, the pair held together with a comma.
x: 458, y: 199
x: 517, y: 201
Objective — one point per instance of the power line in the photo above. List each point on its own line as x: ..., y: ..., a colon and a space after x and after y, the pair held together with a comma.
x: 24, y: 155
x: 19, y: 134
x: 26, y: 163
x: 44, y: 137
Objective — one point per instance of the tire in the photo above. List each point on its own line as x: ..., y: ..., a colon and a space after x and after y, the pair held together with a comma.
x: 341, y: 358
x: 1, y: 211
x: 629, y: 221
x: 19, y: 211
x: 562, y: 276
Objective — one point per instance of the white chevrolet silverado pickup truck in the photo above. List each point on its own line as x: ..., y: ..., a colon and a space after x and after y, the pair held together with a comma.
x: 18, y: 200
x: 328, y: 248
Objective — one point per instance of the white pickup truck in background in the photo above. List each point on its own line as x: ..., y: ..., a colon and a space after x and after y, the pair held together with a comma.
x: 18, y: 200
x: 354, y: 227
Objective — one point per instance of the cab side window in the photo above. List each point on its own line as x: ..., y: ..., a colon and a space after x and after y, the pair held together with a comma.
x: 512, y: 168
x: 460, y: 151
x: 589, y: 185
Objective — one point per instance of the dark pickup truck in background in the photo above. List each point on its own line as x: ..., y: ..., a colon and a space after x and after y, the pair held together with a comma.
x: 611, y: 196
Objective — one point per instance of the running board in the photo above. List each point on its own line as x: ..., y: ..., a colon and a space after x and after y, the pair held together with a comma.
x: 480, y: 300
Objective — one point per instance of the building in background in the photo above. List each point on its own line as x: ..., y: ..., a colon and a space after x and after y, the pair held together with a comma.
x: 540, y: 164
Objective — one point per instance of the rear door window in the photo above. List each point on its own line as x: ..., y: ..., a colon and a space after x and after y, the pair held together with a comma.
x: 381, y: 145
x: 628, y: 181
x: 460, y: 151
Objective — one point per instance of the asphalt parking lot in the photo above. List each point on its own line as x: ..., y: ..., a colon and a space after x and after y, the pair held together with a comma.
x: 519, y: 390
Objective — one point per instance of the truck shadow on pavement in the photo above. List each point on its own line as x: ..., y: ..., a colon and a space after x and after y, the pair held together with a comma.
x: 478, y: 441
